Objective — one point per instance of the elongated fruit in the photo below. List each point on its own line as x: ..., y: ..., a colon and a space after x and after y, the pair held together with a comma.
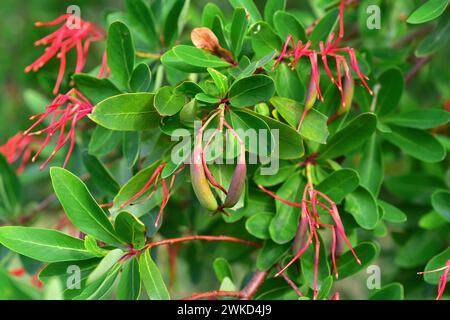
x: 237, y: 182
x: 198, y: 178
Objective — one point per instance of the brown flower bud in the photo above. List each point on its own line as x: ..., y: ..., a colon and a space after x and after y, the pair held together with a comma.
x: 204, y: 38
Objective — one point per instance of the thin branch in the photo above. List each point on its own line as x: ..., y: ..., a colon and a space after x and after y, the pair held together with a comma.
x: 213, y: 294
x: 420, y: 63
x: 148, y: 55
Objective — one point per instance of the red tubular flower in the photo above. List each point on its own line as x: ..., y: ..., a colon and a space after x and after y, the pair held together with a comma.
x: 330, y: 49
x: 20, y: 272
x: 442, y: 279
x: 73, y: 33
x: 307, y: 232
x: 19, y: 146
x: 64, y: 113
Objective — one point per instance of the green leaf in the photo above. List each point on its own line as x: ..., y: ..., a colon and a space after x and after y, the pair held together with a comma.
x: 105, y: 265
x: 441, y: 203
x: 308, y: 267
x: 287, y: 24
x: 432, y: 220
x: 348, y: 266
x: 131, y: 148
x: 324, y: 27
x: 362, y: 205
x: 437, y: 262
x: 283, y: 226
x: 11, y: 289
x: 436, y: 39
x: 264, y: 40
x: 95, y: 89
x: 152, y: 278
x: 258, y: 225
x: 420, y: 247
x: 325, y: 289
x: 130, y: 189
x: 251, y: 91
x: 371, y: 168
x: 220, y: 80
x: 417, y: 143
x: 141, y: 18
x: 222, y: 269
x: 167, y: 102
x: 393, y: 291
x: 353, y: 136
x: 238, y: 31
x: 428, y: 11
x: 414, y: 187
x: 288, y: 83
x: 339, y: 184
x: 100, y: 175
x: 10, y: 190
x: 130, y: 229
x: 250, y: 6
x: 129, y: 286
x: 420, y: 119
x: 101, y: 288
x: 62, y: 271
x: 141, y: 79
x: 198, y: 58
x: 120, y: 51
x: 43, y: 244
x: 392, y: 85
x: 103, y: 141
x: 289, y: 143
x: 270, y: 254
x: 174, y: 21
x: 127, y: 112
x: 314, y: 126
x: 272, y: 7
x: 81, y: 208
x: 391, y: 213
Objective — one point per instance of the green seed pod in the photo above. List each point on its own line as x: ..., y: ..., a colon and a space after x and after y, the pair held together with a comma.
x: 349, y: 92
x: 237, y: 182
x: 198, y: 178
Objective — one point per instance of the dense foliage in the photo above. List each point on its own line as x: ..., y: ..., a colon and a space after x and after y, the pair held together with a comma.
x: 239, y: 149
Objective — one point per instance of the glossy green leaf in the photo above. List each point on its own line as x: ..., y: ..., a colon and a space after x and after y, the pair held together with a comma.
x: 152, y: 278
x: 103, y: 141
x: 250, y: 6
x: 339, y: 184
x: 437, y: 262
x: 251, y: 91
x: 283, y: 226
x: 287, y: 24
x: 101, y: 288
x: 10, y: 190
x: 175, y: 21
x: 131, y: 148
x: 238, y: 31
x: 100, y: 175
x: 95, y: 89
x: 348, y: 266
x: 420, y: 247
x: 120, y: 51
x: 437, y: 39
x: 362, y: 205
x: 393, y: 291
x: 392, y: 85
x: 141, y: 18
x: 198, y: 58
x: 167, y: 102
x: 420, y: 119
x: 222, y: 269
x: 43, y: 244
x: 258, y: 225
x: 428, y: 11
x: 81, y: 208
x: 105, y: 265
x: 351, y: 137
x: 127, y: 112
x: 130, y: 229
x: 264, y: 39
x: 417, y: 143
x: 391, y: 213
x: 324, y: 27
x: 371, y: 168
x: 129, y: 286
x: 141, y: 79
x: 441, y: 203
x: 270, y: 254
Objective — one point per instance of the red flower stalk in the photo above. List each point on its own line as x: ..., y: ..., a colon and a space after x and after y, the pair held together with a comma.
x: 153, y: 181
x: 442, y: 278
x: 73, y: 33
x: 19, y: 146
x: 307, y: 232
x: 64, y: 113
x: 330, y: 49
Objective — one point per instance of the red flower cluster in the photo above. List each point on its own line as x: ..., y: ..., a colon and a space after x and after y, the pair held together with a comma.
x: 19, y: 146
x: 330, y: 49
x: 73, y: 33
x: 309, y: 225
x: 63, y: 113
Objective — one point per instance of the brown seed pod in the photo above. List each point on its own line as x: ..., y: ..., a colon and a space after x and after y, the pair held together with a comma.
x: 237, y: 182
